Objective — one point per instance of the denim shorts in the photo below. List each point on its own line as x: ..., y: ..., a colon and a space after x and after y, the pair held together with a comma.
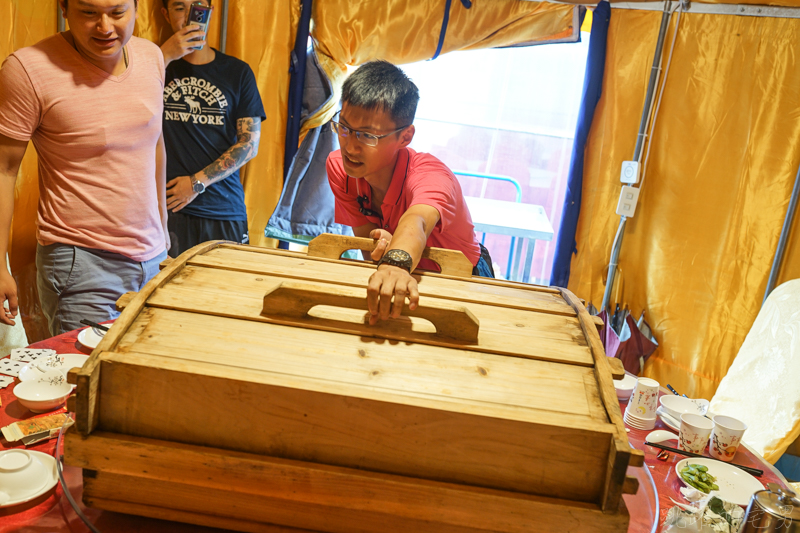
x: 76, y: 283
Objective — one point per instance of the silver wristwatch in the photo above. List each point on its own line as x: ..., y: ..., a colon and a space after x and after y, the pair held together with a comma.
x: 197, y: 185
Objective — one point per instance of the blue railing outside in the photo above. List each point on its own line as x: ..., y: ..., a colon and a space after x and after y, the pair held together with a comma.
x: 518, y: 200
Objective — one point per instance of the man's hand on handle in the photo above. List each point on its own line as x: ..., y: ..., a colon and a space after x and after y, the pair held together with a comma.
x: 382, y: 240
x: 8, y: 293
x: 387, y: 291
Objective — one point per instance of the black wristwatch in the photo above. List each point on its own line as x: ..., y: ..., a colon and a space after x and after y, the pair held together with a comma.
x: 197, y: 185
x: 398, y: 258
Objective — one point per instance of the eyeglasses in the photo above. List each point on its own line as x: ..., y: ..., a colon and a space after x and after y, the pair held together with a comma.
x: 367, y: 138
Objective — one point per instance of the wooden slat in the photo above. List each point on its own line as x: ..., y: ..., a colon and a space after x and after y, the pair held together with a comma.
x: 617, y: 369
x: 255, y: 489
x: 352, y: 274
x: 368, y: 264
x: 330, y: 246
x: 125, y: 300
x: 510, y: 387
x: 503, y: 331
x: 621, y: 455
x: 630, y: 486
x: 417, y: 436
x: 86, y: 415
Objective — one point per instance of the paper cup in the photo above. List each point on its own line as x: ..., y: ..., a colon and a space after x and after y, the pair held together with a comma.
x: 725, y: 437
x: 644, y: 400
x: 694, y: 433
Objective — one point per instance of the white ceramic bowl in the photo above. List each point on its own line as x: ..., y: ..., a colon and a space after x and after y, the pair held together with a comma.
x: 625, y: 386
x: 21, y: 475
x: 89, y: 338
x: 45, y: 394
x: 678, y: 405
x: 62, y: 362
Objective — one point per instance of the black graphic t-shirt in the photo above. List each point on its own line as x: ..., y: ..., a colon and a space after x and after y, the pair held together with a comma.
x: 201, y: 106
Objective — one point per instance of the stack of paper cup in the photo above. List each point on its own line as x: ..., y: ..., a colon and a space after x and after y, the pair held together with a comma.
x: 641, y: 410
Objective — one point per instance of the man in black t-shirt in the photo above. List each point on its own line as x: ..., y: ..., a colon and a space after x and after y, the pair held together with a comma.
x: 212, y: 126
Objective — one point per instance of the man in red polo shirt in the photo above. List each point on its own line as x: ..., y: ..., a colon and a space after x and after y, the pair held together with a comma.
x: 384, y: 190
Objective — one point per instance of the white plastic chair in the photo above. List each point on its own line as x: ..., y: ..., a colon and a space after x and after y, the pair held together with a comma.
x: 762, y: 386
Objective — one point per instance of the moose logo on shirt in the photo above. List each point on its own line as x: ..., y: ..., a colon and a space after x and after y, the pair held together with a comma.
x: 194, y: 100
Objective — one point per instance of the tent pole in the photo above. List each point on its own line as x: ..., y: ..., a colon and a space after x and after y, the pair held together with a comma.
x: 787, y: 227
x: 60, y: 24
x: 649, y: 99
x: 223, y: 31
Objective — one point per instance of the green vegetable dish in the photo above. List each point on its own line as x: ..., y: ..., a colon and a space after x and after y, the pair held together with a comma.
x: 698, y: 477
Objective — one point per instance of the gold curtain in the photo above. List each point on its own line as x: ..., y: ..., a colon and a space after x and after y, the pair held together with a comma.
x: 352, y: 32
x: 722, y: 165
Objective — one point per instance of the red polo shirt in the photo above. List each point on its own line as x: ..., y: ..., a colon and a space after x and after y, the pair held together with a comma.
x: 418, y: 179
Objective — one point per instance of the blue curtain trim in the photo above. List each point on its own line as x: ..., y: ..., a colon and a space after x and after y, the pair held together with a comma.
x: 566, y: 244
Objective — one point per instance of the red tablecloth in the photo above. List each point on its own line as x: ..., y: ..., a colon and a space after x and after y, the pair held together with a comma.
x: 54, y: 513
x: 665, y: 478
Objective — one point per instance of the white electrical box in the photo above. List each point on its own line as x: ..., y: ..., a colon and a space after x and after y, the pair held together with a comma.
x: 628, y: 198
x: 630, y: 172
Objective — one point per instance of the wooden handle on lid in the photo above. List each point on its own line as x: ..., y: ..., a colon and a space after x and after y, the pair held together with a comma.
x: 292, y: 299
x: 330, y: 246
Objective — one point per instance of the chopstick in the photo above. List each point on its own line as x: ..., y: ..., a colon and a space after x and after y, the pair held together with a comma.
x: 673, y: 391
x: 94, y: 324
x: 748, y: 469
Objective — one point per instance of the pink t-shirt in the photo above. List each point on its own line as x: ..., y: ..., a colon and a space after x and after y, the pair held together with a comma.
x: 418, y: 179
x: 95, y: 135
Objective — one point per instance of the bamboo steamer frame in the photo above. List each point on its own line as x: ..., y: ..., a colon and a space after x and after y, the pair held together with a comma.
x: 174, y: 479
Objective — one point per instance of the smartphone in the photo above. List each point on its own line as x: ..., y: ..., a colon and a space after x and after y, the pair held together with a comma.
x: 200, y: 16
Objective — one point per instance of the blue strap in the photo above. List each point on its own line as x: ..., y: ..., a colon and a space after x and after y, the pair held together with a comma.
x: 467, y: 4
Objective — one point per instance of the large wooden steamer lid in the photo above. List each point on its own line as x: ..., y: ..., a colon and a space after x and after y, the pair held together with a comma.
x: 489, y: 383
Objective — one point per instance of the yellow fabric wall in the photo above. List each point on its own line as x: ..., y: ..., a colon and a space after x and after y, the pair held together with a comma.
x: 725, y: 153
x: 259, y: 32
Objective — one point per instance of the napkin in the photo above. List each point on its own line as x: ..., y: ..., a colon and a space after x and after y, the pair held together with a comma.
x: 707, y: 515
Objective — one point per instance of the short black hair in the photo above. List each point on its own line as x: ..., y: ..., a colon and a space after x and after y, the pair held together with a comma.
x: 135, y: 4
x: 379, y: 85
x: 167, y: 2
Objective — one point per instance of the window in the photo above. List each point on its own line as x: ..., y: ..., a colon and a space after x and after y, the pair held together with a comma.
x: 508, y: 112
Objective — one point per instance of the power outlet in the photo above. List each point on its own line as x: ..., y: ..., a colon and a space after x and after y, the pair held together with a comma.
x: 628, y: 198
x: 630, y: 172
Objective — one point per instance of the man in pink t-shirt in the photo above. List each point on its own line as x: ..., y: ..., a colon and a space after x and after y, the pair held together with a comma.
x: 403, y: 199
x: 90, y: 100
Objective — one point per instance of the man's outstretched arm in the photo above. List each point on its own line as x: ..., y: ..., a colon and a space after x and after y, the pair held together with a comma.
x: 392, y: 282
x: 248, y: 135
x: 11, y: 154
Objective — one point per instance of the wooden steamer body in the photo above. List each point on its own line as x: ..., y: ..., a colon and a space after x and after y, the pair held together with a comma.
x: 240, y: 389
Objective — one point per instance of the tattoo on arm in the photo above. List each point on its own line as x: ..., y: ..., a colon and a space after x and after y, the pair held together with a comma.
x: 248, y: 135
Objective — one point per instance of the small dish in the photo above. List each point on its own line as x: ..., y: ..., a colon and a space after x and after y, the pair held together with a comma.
x: 62, y: 362
x: 625, y: 386
x: 30, y: 372
x: 735, y: 485
x: 25, y: 475
x: 668, y: 420
x: 675, y: 406
x: 45, y: 394
x: 89, y: 338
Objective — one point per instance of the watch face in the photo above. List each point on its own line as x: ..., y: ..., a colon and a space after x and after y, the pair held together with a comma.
x: 398, y: 258
x: 198, y: 187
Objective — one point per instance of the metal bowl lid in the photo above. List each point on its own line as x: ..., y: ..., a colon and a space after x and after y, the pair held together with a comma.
x: 779, y: 502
